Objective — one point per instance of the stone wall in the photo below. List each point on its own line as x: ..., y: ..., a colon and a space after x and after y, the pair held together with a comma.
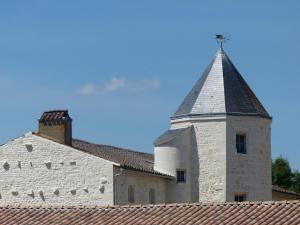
x: 211, y: 145
x: 207, y: 158
x: 172, y: 156
x: 220, y: 170
x: 142, y: 183
x: 55, y: 132
x: 35, y: 170
x: 249, y: 173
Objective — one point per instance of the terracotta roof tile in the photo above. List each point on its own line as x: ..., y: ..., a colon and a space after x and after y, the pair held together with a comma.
x: 55, y: 116
x: 283, y: 212
x: 126, y: 158
x: 286, y: 191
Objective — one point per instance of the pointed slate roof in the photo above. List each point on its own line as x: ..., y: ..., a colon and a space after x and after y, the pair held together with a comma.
x: 221, y: 90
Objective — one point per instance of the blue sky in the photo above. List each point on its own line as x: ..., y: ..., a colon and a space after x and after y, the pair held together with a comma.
x: 123, y: 67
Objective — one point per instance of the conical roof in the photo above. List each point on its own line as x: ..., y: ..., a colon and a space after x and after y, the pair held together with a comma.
x: 221, y: 90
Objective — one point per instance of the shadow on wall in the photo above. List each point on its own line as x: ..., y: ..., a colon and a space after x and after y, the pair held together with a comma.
x: 194, y: 167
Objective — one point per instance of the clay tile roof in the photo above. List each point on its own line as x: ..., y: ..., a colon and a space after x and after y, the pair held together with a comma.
x: 128, y: 159
x: 54, y: 116
x: 246, y: 213
x: 285, y: 191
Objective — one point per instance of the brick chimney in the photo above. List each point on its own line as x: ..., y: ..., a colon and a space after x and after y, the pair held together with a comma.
x: 56, y: 125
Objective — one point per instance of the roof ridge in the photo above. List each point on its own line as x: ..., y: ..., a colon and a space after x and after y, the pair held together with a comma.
x: 116, y: 147
x: 56, y: 110
x: 125, y: 158
x: 200, y: 204
x: 284, y: 190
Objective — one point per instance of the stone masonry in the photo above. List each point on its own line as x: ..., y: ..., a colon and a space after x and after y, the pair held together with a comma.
x: 35, y: 170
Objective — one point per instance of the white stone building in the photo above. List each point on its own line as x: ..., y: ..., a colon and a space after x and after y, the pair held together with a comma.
x: 218, y: 148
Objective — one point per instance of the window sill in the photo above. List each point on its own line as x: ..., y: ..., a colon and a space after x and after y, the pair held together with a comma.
x: 242, y: 155
x: 181, y: 183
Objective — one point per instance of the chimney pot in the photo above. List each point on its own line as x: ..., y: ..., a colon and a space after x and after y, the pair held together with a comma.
x: 56, y: 125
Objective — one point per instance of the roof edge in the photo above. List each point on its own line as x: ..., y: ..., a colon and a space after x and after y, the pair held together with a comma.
x: 124, y: 149
x: 68, y: 146
x: 155, y: 173
x: 200, y: 204
x: 190, y: 115
x: 158, y: 142
x: 284, y: 191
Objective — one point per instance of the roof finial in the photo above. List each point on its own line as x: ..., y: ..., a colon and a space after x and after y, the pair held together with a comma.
x: 220, y: 39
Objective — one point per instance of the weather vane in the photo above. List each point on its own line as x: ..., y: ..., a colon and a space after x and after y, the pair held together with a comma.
x: 220, y: 39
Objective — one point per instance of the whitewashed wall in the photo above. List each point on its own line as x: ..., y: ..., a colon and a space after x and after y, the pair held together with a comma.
x: 142, y: 183
x: 176, y: 155
x: 202, y: 152
x: 211, y: 145
x: 249, y: 173
x: 221, y: 172
x: 51, y: 173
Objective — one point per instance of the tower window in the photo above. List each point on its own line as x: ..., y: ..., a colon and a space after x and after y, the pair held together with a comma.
x: 131, y: 194
x: 181, y: 176
x: 152, y: 196
x: 241, y: 143
x: 240, y: 197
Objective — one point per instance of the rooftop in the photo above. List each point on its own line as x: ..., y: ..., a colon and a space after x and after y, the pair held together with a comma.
x: 246, y: 213
x: 169, y: 135
x: 128, y: 159
x: 55, y: 116
x: 285, y: 191
x: 221, y: 90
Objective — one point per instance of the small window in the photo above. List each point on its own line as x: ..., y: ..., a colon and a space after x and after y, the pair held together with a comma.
x: 152, y: 196
x: 131, y: 194
x: 181, y: 176
x: 241, y: 143
x: 240, y: 197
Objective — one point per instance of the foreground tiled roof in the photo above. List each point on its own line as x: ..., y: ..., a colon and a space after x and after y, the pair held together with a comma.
x: 247, y: 213
x: 285, y: 191
x: 126, y: 158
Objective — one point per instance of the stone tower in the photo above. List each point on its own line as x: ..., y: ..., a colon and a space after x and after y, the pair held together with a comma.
x: 219, y: 144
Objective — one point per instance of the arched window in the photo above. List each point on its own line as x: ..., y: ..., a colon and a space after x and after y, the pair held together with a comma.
x: 152, y: 196
x: 130, y: 194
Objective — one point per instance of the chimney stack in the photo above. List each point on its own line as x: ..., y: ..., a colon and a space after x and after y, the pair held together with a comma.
x: 56, y: 125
